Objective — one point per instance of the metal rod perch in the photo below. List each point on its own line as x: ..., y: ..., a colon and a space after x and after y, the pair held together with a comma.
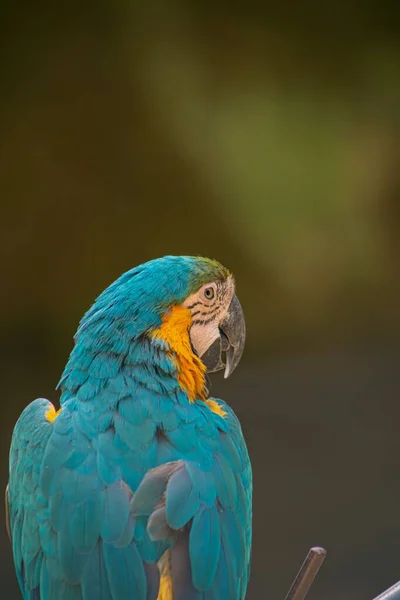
x: 309, y: 570
x: 392, y: 593
x: 307, y: 574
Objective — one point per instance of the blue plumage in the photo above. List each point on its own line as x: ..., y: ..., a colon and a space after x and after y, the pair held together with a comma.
x: 131, y: 471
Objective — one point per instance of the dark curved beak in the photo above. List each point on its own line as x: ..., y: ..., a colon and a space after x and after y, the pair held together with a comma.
x: 234, y: 329
x: 231, y: 341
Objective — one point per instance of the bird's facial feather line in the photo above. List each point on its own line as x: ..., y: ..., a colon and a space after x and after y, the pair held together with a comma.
x: 174, y: 330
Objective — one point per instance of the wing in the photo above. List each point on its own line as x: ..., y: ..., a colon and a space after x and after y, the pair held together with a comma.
x: 203, y: 508
x: 79, y: 533
x: 23, y: 498
x: 72, y: 532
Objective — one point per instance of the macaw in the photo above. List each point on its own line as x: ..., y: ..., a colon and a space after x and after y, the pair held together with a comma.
x: 140, y: 486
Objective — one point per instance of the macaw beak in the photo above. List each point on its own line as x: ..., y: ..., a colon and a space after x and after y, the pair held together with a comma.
x: 230, y: 341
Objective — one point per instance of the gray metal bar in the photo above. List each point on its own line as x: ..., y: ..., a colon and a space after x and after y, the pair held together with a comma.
x: 307, y: 574
x: 392, y: 593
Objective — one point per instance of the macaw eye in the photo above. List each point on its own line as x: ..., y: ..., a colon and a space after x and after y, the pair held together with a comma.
x: 209, y: 293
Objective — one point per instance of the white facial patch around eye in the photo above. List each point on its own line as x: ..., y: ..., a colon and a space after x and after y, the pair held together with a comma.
x: 203, y: 336
x: 207, y: 315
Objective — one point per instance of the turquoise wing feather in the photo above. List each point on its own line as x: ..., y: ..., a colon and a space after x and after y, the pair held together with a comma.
x: 81, y: 527
x: 202, y: 505
x: 72, y: 532
x: 23, y: 496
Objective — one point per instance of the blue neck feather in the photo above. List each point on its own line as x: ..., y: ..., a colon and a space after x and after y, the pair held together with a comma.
x: 112, y: 345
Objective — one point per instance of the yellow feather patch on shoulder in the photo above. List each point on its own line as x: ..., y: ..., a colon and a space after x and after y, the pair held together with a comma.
x: 191, y: 371
x: 52, y: 414
x: 165, y: 589
x: 215, y: 407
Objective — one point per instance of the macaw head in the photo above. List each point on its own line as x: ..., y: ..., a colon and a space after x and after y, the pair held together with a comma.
x: 217, y: 324
x: 173, y: 298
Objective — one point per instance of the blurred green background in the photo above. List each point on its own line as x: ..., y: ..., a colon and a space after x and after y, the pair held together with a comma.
x: 262, y: 134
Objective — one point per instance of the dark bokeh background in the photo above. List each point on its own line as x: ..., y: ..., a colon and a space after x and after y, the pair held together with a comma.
x: 262, y: 134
